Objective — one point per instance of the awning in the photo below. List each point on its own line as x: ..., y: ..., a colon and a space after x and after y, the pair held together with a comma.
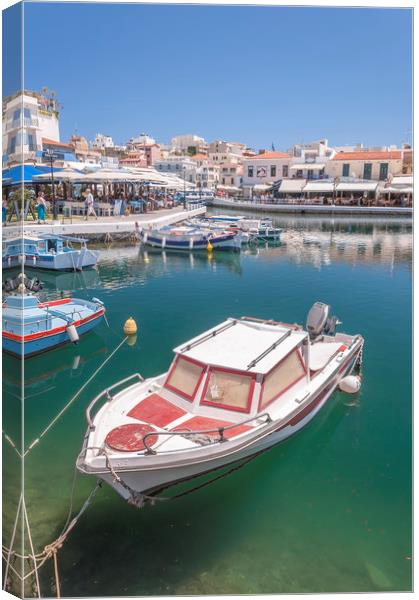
x: 23, y: 174
x: 61, y: 175
x: 402, y: 180
x: 396, y: 190
x: 308, y: 166
x: 228, y: 188
x: 261, y: 187
x: 322, y: 187
x: 291, y: 186
x: 358, y: 186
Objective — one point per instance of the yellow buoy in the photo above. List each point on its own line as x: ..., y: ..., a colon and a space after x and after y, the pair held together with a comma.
x: 130, y: 326
x: 209, y: 247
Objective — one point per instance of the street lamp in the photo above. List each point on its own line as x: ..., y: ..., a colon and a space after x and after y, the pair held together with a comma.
x: 49, y: 154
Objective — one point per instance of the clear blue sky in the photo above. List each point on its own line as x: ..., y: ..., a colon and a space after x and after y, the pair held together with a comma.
x: 252, y: 74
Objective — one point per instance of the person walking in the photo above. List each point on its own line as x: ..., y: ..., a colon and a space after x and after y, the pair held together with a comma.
x: 89, y: 202
x: 41, y: 207
x: 4, y: 210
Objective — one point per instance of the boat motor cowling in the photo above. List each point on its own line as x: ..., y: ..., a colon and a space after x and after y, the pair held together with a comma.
x: 319, y: 322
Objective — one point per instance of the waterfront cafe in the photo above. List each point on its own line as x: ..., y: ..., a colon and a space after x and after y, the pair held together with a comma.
x: 289, y: 190
x: 360, y: 192
x: 321, y: 191
x: 398, y: 191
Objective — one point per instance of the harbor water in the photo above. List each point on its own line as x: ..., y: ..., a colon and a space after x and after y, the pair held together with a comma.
x: 328, y: 510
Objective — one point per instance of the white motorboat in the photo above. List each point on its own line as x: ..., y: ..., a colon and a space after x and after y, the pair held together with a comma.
x: 260, y: 228
x: 229, y: 394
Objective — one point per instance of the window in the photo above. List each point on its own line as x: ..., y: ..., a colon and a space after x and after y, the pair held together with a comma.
x: 16, y: 115
x: 223, y: 180
x: 310, y: 174
x: 383, y: 171
x: 281, y: 377
x: 228, y: 389
x: 284, y: 170
x: 345, y: 170
x: 367, y: 170
x: 30, y: 142
x: 299, y: 173
x: 184, y: 377
x: 273, y: 171
x: 12, y: 145
x: 250, y: 171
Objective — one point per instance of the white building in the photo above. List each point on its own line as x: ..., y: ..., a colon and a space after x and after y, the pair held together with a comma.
x: 182, y: 166
x: 27, y: 118
x: 220, y: 151
x: 103, y: 141
x: 265, y: 168
x: 190, y: 143
x: 142, y: 140
x: 310, y: 160
x: 374, y: 164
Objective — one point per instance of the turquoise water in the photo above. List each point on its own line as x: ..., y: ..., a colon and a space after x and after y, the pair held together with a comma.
x: 326, y: 511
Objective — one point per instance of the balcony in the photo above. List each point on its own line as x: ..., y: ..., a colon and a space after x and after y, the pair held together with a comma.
x: 20, y: 123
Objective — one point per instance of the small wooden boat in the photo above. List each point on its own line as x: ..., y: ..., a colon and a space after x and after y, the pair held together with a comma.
x: 187, y: 238
x: 229, y: 394
x: 31, y: 327
x: 44, y: 251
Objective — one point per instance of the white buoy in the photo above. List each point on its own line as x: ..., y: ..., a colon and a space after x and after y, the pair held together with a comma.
x: 351, y: 384
x: 72, y: 334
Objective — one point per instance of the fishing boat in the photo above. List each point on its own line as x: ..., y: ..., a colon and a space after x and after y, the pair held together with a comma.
x: 187, y: 238
x: 31, y: 327
x: 229, y: 394
x: 259, y: 228
x: 48, y: 251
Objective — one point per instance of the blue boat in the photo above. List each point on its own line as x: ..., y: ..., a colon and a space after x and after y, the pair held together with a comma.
x: 44, y: 251
x: 31, y: 327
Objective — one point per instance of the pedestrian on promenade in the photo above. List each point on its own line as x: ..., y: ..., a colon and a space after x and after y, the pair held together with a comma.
x: 89, y: 202
x: 41, y: 207
x: 4, y: 210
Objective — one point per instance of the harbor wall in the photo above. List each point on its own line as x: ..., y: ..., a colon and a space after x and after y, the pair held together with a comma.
x: 332, y: 210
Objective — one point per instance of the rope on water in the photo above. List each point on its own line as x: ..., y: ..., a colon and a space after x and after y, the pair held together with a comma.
x: 70, y: 402
x: 25, y: 512
x: 11, y: 442
x: 50, y: 550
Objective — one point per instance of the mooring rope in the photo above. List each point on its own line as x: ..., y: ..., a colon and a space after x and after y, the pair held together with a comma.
x: 11, y: 442
x: 70, y: 402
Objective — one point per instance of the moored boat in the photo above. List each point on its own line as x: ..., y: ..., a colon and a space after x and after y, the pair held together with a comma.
x: 259, y: 228
x: 187, y: 238
x: 229, y: 394
x: 31, y: 327
x: 48, y: 251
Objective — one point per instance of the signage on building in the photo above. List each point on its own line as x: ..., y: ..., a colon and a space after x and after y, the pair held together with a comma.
x: 261, y: 172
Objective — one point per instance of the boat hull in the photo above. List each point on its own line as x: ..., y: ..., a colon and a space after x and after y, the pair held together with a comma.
x: 147, y: 481
x: 66, y: 261
x: 230, y: 241
x: 28, y: 346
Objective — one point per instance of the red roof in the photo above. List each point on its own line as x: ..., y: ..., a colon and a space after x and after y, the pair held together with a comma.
x: 376, y: 155
x: 199, y: 157
x: 270, y: 155
x: 47, y: 142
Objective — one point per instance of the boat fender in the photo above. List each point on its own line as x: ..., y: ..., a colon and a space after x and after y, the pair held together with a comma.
x: 191, y: 243
x: 209, y: 246
x: 145, y: 237
x: 97, y: 301
x: 351, y: 384
x: 22, y: 259
x: 9, y: 261
x: 130, y: 327
x: 34, y: 260
x: 72, y: 333
x: 163, y: 243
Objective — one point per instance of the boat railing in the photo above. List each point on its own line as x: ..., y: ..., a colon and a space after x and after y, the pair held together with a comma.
x: 219, y: 430
x: 109, y: 398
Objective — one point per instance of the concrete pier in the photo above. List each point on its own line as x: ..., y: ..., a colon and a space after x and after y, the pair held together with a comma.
x: 114, y: 226
x: 332, y: 210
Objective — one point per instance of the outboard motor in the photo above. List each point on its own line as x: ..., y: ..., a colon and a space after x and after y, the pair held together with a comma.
x: 316, y: 319
x: 319, y: 322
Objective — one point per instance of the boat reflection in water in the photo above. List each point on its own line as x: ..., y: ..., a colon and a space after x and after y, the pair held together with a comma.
x: 41, y: 378
x: 321, y: 243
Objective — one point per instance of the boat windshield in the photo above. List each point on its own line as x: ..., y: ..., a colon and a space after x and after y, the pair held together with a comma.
x: 184, y: 377
x: 228, y: 389
x: 281, y: 377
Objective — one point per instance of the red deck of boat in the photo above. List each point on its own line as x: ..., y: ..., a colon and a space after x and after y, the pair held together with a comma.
x: 156, y: 410
x: 129, y: 437
x: 198, y: 423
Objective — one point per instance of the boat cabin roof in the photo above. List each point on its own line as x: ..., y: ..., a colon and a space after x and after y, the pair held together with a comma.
x: 243, y: 345
x: 44, y: 236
